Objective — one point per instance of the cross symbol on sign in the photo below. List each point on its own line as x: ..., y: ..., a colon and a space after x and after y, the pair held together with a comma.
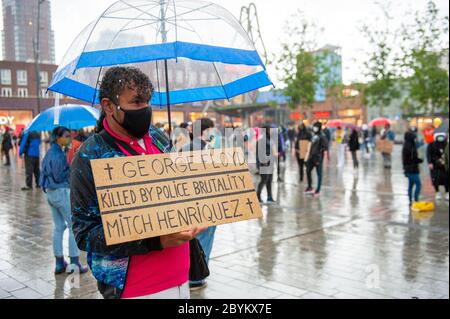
x: 109, y: 169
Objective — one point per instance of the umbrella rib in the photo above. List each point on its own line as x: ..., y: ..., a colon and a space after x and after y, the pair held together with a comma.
x: 139, y: 9
x: 193, y: 10
x: 122, y: 29
x: 199, y: 19
x: 220, y: 79
x: 131, y: 19
x: 187, y: 29
x: 139, y: 26
x: 137, y: 6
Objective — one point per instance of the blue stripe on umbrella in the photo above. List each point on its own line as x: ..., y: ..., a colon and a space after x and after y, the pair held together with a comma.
x: 167, y: 51
x: 86, y: 93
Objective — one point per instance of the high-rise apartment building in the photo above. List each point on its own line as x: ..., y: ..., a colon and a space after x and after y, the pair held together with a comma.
x: 20, y: 26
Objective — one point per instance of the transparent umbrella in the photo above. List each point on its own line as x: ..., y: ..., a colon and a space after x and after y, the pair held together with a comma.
x: 192, y: 51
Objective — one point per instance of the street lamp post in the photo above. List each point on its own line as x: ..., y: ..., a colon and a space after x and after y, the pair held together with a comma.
x: 36, y: 56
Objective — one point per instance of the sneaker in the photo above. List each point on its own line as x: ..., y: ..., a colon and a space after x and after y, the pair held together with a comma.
x: 438, y: 196
x: 309, y: 191
x: 199, y: 286
x: 270, y: 200
x: 72, y: 268
x: 316, y: 194
x: 26, y: 188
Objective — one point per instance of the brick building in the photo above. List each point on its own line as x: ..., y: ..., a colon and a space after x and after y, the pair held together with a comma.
x: 18, y: 98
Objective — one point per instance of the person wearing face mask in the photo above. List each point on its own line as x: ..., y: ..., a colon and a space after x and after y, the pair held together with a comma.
x: 389, y: 135
x: 155, y: 268
x: 436, y: 163
x: 411, y: 162
x: 54, y: 180
x: 303, y: 138
x: 315, y: 156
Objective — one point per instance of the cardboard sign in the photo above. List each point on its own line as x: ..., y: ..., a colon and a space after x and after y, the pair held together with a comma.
x: 153, y: 195
x: 304, y: 147
x: 385, y: 146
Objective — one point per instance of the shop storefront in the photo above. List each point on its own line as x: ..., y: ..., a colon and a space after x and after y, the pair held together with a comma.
x: 424, y: 122
x: 194, y: 116
x: 351, y: 116
x: 16, y: 120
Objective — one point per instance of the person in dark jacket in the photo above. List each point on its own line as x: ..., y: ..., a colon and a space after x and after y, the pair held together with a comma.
x: 303, y: 135
x: 30, y: 149
x: 282, y: 137
x: 436, y: 163
x: 266, y: 158
x: 55, y: 183
x: 7, y: 145
x: 147, y: 268
x: 354, y: 146
x: 411, y: 163
x: 327, y: 133
x: 318, y: 148
x: 291, y: 136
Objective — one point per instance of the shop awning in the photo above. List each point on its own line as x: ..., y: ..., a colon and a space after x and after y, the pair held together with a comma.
x: 239, y: 110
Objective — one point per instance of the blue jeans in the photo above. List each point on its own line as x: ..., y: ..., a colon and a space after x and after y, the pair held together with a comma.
x: 59, y: 201
x: 206, y: 241
x: 414, y: 180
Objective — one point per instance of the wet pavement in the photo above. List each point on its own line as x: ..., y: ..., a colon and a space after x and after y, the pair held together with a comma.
x: 357, y: 240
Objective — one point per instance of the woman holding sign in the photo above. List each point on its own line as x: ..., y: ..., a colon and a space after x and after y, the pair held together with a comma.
x: 156, y: 268
x: 301, y: 148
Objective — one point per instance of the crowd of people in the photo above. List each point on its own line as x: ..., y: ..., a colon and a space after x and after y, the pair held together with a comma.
x: 160, y: 267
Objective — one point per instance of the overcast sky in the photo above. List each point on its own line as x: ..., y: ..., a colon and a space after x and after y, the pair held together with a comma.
x: 339, y: 18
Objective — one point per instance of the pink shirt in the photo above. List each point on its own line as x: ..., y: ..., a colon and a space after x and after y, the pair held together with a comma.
x: 159, y: 270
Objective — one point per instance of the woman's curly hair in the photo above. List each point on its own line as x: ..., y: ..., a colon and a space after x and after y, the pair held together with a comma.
x: 116, y: 80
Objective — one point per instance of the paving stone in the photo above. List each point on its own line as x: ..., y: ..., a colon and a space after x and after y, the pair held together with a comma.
x: 26, y: 293
x: 360, y: 230
x: 9, y: 284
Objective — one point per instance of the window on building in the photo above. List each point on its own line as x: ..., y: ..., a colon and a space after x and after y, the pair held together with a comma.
x: 22, y: 77
x: 6, y: 92
x: 44, y: 78
x: 5, y: 75
x: 22, y: 92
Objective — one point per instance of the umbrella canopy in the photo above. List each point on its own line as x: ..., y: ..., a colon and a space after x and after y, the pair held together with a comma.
x: 73, y: 117
x: 380, y: 122
x: 192, y: 51
x: 335, y: 123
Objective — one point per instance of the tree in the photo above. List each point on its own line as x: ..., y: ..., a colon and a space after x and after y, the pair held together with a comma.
x: 381, y: 67
x: 425, y: 46
x: 328, y: 66
x: 297, y: 63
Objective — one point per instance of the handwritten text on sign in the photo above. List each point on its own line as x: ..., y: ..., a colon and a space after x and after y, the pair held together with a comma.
x: 153, y: 195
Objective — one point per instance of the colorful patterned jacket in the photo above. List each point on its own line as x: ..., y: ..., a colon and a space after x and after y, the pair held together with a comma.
x: 109, y: 264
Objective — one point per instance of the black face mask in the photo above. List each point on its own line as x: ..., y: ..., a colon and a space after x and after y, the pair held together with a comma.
x: 136, y: 122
